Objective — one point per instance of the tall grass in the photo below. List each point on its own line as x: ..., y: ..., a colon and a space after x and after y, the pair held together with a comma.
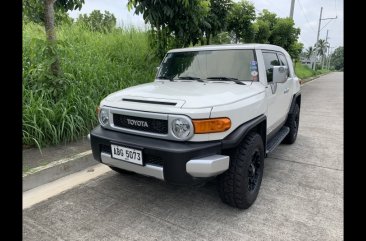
x: 94, y: 65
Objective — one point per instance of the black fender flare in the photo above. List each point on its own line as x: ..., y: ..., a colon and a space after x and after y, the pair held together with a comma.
x: 236, y: 137
x: 295, y: 99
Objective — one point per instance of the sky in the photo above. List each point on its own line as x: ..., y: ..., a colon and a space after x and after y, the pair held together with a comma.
x: 306, y: 16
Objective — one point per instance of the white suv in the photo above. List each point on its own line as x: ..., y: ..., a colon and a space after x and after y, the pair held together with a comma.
x: 211, y: 111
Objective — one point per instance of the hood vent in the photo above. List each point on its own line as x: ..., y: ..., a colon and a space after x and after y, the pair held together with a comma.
x: 150, y: 102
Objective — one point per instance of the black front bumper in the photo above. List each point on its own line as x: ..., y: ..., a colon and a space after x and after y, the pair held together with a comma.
x: 171, y: 155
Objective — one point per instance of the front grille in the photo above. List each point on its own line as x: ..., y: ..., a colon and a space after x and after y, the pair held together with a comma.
x: 141, y: 124
x: 153, y: 160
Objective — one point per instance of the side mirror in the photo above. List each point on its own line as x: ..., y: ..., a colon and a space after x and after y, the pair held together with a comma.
x: 280, y: 74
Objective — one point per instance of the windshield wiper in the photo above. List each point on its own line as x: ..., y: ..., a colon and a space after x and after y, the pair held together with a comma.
x: 227, y: 78
x: 190, y: 78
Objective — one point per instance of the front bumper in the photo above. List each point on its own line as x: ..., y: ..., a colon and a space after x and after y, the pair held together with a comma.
x: 174, y: 162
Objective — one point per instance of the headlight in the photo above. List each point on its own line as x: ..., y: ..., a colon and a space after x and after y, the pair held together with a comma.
x: 181, y: 128
x: 103, y: 116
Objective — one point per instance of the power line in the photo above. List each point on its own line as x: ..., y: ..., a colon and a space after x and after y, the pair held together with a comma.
x: 326, y: 24
x: 303, y: 13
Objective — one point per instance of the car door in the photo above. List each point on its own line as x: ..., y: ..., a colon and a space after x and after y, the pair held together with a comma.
x: 274, y: 113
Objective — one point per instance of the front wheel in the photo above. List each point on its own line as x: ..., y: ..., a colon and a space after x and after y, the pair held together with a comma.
x: 239, y: 186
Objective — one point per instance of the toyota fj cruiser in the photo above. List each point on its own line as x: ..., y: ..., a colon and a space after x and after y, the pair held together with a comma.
x: 212, y: 111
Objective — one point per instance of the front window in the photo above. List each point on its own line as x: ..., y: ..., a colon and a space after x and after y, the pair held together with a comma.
x: 210, y: 64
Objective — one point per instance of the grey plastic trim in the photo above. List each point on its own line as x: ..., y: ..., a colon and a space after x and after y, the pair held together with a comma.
x: 208, y: 166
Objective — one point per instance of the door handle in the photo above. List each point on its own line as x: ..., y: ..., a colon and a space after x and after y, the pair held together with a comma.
x: 286, y: 90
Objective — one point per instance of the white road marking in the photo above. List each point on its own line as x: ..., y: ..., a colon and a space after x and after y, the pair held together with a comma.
x: 51, y: 189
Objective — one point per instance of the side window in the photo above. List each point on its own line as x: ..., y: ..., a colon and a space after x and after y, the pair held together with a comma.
x: 270, y: 60
x: 283, y: 62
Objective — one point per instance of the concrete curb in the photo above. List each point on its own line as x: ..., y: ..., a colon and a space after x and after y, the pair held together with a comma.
x: 44, y: 174
x: 303, y: 81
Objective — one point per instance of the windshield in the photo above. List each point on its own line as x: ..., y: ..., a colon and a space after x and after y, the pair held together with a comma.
x: 210, y: 64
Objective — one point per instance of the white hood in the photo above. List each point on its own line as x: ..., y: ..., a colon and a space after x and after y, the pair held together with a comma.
x: 186, y: 94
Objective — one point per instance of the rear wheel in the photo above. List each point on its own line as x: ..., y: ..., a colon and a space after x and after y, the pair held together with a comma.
x: 239, y: 186
x: 293, y: 123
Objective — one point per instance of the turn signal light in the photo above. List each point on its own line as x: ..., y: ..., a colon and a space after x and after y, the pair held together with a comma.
x: 211, y: 125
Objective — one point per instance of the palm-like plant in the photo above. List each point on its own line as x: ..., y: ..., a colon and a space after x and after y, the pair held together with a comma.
x: 321, y: 49
x: 309, y: 52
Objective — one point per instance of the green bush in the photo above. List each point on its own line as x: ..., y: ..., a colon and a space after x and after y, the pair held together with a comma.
x: 303, y: 71
x: 94, y: 65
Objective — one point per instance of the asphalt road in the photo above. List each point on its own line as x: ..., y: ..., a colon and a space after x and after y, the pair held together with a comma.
x: 301, y: 197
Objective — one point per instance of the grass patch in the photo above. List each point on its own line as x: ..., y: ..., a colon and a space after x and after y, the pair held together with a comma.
x: 94, y: 65
x: 304, y: 72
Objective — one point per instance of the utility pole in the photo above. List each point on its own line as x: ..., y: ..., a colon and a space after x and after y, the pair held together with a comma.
x: 326, y: 41
x: 292, y: 9
x: 317, y: 36
x: 320, y: 22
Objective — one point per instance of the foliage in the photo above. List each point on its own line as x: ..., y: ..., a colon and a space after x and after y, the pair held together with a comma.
x: 182, y: 18
x: 262, y: 31
x: 97, y: 21
x: 271, y: 29
x: 269, y: 18
x: 33, y: 10
x: 337, y: 58
x: 221, y: 38
x: 295, y: 50
x: 303, y: 71
x: 309, y: 52
x: 94, y: 64
x: 240, y: 19
x: 216, y: 18
x: 321, y: 47
x: 284, y: 33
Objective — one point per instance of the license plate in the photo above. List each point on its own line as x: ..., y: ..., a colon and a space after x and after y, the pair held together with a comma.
x: 127, y: 154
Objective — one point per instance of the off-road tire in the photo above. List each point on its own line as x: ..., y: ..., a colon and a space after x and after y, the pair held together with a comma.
x: 234, y: 184
x: 293, y: 123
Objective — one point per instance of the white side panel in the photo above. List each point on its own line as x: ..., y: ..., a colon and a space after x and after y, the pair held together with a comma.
x: 239, y: 113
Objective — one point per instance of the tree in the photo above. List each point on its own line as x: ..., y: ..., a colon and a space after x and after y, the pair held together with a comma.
x: 49, y: 21
x: 295, y: 50
x: 321, y: 49
x: 284, y: 33
x: 337, y: 58
x: 240, y: 21
x: 309, y: 52
x: 262, y: 31
x: 216, y: 18
x: 268, y: 17
x: 33, y: 11
x: 43, y: 11
x: 97, y: 21
x: 182, y: 18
